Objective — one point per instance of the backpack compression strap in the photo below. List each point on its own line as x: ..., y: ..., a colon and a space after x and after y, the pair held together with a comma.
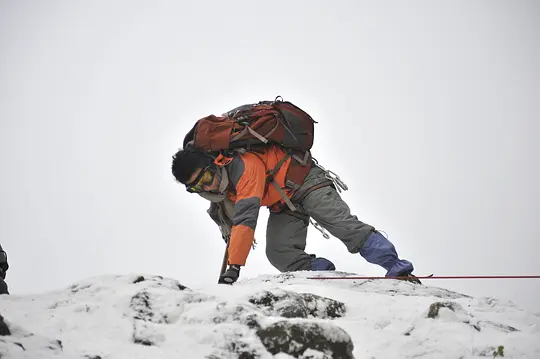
x: 270, y: 179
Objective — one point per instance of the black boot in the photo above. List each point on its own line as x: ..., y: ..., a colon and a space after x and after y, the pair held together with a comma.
x: 408, y: 277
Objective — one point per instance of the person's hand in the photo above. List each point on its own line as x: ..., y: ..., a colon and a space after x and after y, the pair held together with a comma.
x: 231, y: 275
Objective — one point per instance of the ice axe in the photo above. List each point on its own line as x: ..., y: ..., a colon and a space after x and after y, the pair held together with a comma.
x: 225, y: 261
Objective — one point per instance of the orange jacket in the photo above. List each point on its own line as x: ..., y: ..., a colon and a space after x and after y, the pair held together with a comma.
x: 249, y: 191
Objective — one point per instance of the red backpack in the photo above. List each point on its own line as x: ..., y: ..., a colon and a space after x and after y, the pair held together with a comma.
x: 251, y: 126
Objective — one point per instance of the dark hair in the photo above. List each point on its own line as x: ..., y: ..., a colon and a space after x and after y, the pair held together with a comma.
x: 186, y: 161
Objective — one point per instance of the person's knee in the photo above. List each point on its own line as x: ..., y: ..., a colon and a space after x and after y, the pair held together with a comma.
x: 288, y: 262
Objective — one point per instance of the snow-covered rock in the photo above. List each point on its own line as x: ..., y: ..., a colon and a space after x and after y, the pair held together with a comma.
x: 271, y: 316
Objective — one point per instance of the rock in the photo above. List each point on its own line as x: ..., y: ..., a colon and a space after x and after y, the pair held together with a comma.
x: 298, y: 305
x: 141, y: 305
x: 159, y: 280
x: 434, y: 308
x: 4, y: 330
x: 146, y: 333
x: 239, y: 313
x: 295, y: 338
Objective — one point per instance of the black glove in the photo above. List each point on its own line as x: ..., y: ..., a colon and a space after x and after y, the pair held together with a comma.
x: 231, y: 275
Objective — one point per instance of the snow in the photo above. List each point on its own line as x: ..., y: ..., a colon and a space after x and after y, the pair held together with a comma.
x: 145, y: 316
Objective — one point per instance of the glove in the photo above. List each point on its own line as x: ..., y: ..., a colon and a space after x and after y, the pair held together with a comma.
x: 231, y: 275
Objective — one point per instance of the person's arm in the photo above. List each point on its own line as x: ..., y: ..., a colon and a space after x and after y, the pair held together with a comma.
x: 249, y: 186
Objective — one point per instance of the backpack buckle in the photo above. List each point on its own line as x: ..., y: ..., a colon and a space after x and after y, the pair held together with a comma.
x: 290, y: 184
x: 269, y: 176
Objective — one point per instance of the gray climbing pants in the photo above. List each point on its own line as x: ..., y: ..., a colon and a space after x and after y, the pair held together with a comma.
x: 286, y: 231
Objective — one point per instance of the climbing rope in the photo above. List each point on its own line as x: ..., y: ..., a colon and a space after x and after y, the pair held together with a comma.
x: 440, y: 277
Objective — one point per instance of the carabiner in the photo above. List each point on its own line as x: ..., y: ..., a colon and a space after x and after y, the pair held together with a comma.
x: 340, y: 185
x: 332, y: 176
x: 319, y: 228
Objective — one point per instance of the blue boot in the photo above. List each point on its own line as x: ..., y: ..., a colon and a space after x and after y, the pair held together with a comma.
x: 379, y: 250
x: 319, y: 263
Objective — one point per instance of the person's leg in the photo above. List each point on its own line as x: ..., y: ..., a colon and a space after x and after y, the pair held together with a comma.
x: 326, y: 207
x: 286, y: 243
x: 379, y: 250
x: 331, y: 212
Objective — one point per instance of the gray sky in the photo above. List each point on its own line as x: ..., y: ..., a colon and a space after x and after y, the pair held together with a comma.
x: 428, y: 111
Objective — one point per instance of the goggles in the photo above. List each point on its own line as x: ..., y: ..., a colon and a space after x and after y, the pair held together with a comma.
x: 204, y: 178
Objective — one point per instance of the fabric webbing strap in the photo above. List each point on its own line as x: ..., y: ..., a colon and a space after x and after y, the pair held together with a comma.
x: 284, y: 196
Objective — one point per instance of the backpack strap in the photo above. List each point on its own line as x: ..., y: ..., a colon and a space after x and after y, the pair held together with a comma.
x: 302, y: 161
x: 253, y: 132
x: 221, y: 161
x: 278, y: 165
x: 284, y: 196
x: 270, y: 179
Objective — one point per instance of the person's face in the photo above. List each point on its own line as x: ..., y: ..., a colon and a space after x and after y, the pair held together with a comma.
x: 203, y: 180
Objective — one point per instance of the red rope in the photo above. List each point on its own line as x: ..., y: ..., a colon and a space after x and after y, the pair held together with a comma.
x: 441, y: 277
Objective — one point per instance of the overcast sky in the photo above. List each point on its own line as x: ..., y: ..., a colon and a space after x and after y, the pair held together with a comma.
x: 427, y: 109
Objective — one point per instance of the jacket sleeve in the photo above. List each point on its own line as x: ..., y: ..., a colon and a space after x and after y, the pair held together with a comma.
x: 248, y: 178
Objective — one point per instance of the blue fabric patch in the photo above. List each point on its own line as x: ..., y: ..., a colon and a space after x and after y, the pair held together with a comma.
x: 379, y: 250
x: 319, y: 264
